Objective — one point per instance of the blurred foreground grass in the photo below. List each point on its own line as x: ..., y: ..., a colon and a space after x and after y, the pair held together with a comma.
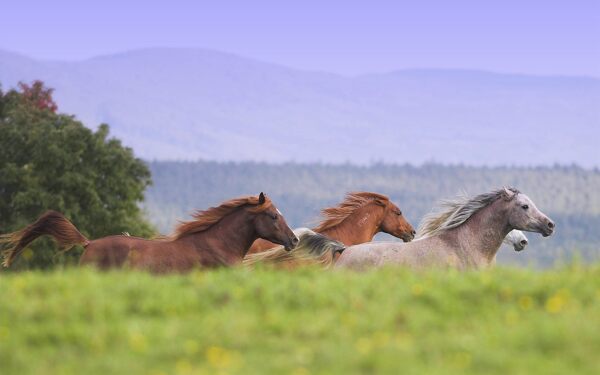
x: 308, y: 321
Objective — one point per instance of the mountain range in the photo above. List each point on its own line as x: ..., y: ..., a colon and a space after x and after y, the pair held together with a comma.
x: 188, y: 104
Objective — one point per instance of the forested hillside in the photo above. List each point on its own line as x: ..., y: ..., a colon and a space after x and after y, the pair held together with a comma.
x: 568, y: 194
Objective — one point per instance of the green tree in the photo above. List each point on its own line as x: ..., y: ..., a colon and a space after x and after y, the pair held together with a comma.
x: 50, y: 160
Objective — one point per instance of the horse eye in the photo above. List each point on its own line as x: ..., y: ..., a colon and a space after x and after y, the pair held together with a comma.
x: 399, y: 213
x: 525, y: 206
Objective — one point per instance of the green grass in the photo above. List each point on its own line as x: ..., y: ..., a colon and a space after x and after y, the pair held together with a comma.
x: 308, y: 321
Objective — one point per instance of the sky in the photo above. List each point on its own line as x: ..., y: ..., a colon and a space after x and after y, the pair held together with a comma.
x: 348, y: 37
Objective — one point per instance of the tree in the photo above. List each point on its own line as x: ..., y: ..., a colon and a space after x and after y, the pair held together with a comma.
x: 51, y: 161
x: 38, y: 96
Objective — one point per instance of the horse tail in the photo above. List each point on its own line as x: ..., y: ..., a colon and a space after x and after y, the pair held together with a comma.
x: 51, y: 223
x: 312, y: 249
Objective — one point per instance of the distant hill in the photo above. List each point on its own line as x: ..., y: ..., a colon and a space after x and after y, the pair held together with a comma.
x: 192, y: 103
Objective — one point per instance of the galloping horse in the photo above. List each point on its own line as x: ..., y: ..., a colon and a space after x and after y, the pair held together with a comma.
x: 313, y: 249
x: 468, y: 235
x: 357, y: 220
x: 218, y: 236
x: 516, y: 239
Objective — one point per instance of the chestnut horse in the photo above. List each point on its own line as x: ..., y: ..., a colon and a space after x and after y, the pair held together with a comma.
x: 218, y: 236
x: 357, y: 220
x: 354, y: 221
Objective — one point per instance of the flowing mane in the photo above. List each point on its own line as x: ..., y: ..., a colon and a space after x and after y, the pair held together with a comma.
x: 333, y: 216
x: 313, y: 249
x: 452, y: 213
x: 205, y: 219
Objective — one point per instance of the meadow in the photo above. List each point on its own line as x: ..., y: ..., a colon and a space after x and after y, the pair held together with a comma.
x: 309, y: 321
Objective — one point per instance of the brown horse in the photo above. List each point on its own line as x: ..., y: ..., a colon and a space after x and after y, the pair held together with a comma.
x: 357, y: 220
x: 354, y: 221
x: 218, y: 236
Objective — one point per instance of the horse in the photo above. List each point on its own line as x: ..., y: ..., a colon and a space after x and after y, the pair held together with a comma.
x: 219, y: 236
x: 516, y: 239
x: 357, y: 220
x: 463, y: 234
x: 312, y: 249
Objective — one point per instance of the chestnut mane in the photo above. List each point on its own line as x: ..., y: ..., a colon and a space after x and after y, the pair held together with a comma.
x: 205, y: 219
x: 333, y: 216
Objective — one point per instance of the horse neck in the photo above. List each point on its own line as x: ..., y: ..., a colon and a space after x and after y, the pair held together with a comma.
x: 359, y: 227
x: 228, y: 240
x: 480, y: 238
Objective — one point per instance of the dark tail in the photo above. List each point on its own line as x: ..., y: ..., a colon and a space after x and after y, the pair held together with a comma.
x: 51, y: 223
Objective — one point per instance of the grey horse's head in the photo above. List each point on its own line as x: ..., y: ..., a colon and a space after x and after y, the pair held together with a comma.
x: 524, y: 215
x: 516, y: 239
x: 317, y: 243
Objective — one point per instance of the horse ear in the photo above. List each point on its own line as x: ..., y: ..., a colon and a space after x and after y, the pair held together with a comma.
x: 380, y: 202
x: 261, y: 198
x: 507, y: 193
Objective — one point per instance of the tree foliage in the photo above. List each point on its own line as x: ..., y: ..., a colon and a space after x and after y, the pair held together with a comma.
x: 38, y: 95
x: 52, y: 161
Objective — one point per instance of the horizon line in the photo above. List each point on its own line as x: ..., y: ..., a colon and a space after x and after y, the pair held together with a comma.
x: 317, y: 71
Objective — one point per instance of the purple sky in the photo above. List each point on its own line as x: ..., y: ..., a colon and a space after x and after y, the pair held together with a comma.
x: 344, y: 36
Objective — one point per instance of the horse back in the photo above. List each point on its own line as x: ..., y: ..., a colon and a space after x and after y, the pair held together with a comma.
x: 164, y: 257
x: 111, y: 252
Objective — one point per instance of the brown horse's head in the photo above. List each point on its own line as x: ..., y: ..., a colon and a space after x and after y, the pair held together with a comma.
x: 271, y: 225
x: 395, y: 223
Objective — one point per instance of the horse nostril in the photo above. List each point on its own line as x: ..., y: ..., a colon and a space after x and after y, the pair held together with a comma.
x: 413, y: 232
x: 550, y: 225
x: 524, y: 242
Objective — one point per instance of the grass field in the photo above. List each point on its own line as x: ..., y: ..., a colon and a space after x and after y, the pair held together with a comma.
x: 309, y: 321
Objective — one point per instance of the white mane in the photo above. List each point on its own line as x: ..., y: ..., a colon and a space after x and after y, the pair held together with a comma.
x: 452, y: 213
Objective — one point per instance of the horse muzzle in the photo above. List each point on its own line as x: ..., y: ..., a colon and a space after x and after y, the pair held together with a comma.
x: 545, y: 228
x: 291, y: 243
x: 546, y: 232
x: 521, y: 246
